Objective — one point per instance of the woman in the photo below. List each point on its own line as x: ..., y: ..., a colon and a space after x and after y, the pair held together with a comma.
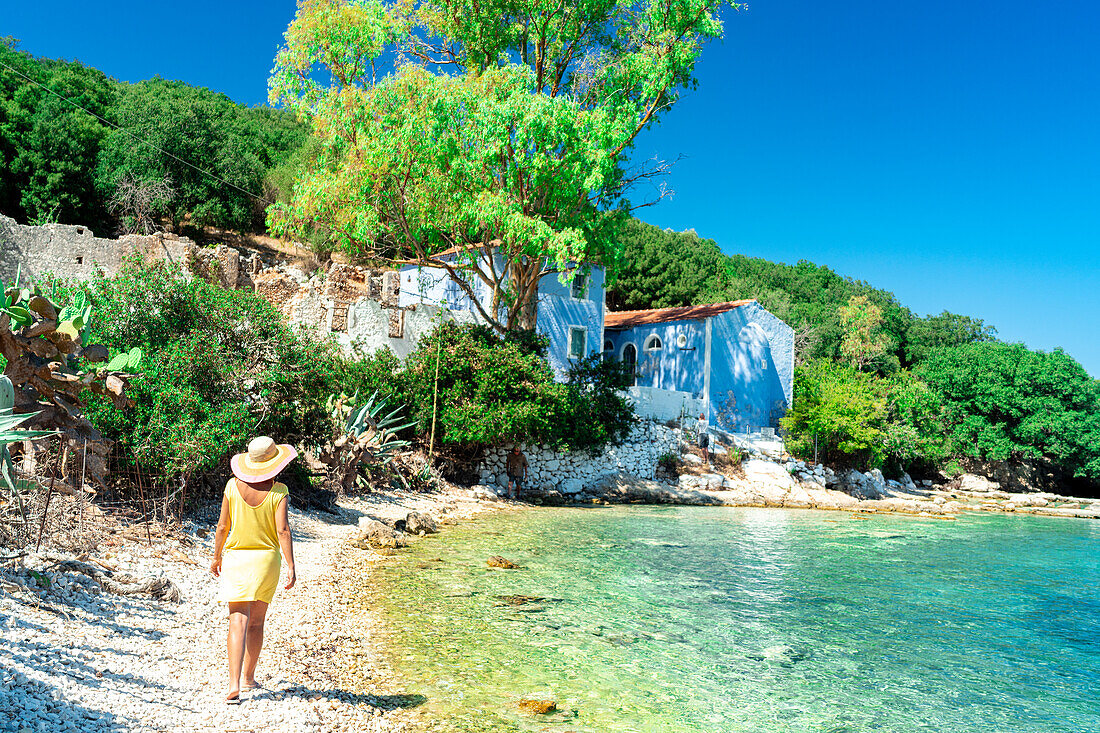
x: 252, y: 530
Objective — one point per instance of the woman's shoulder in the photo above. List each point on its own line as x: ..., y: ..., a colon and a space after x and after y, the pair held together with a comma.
x: 280, y: 489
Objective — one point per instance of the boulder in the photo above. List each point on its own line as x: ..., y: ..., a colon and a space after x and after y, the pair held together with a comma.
x: 758, y: 471
x: 375, y: 535
x: 712, y: 481
x: 973, y: 482
x: 862, y: 486
x: 496, y: 561
x: 692, y: 459
x: 417, y: 523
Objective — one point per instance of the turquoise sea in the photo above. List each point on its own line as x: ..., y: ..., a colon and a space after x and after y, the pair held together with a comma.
x: 684, y: 619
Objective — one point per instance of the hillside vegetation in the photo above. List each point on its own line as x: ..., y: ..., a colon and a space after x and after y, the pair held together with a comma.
x: 876, y: 384
x: 62, y: 164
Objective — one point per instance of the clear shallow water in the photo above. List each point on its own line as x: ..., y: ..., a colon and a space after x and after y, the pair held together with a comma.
x: 660, y: 618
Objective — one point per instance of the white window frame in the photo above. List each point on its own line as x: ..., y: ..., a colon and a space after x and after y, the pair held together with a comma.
x: 682, y: 341
x: 584, y: 342
x: 608, y: 345
x: 649, y: 343
x: 580, y: 280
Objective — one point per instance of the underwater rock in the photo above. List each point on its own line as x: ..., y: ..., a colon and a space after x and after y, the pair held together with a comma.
x: 538, y: 707
x: 520, y: 600
x: 780, y: 654
x: 496, y: 561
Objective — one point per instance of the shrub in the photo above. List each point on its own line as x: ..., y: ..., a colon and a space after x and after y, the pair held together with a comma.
x: 837, y: 414
x: 220, y: 366
x: 494, y: 390
x: 1004, y: 401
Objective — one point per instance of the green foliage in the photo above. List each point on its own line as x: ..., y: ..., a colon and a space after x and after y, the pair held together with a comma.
x: 501, y: 122
x: 839, y: 412
x: 196, y: 129
x: 62, y: 164
x: 10, y: 433
x: 664, y: 269
x: 1005, y: 401
x: 863, y: 342
x: 493, y: 390
x: 215, y: 367
x: 48, y: 148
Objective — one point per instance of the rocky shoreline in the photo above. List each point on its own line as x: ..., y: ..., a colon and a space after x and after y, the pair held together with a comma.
x: 76, y: 658
x: 761, y: 483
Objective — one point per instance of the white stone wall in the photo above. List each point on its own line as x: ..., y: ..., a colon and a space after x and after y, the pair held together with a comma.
x: 664, y: 404
x: 572, y: 472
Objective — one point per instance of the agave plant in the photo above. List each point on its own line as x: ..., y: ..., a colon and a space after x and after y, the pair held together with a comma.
x: 9, y: 422
x: 367, y: 434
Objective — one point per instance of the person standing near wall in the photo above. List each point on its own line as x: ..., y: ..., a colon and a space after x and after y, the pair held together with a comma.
x: 702, y: 437
x: 516, y: 467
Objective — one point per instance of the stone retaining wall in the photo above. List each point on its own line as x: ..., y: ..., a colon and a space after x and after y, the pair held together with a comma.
x: 571, y: 473
x: 74, y: 252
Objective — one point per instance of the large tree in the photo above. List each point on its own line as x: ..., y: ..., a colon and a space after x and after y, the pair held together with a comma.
x: 469, y: 127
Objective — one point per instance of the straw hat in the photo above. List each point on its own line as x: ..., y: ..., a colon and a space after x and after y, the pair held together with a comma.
x: 263, y: 460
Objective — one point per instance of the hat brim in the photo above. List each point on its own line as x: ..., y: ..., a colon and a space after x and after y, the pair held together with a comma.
x: 257, y: 473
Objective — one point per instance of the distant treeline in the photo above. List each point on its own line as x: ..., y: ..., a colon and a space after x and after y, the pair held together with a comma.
x: 62, y: 164
x: 876, y: 384
x: 663, y: 269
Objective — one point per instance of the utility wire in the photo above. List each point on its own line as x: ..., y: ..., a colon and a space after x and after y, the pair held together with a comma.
x: 135, y: 137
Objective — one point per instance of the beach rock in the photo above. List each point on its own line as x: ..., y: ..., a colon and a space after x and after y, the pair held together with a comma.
x: 758, y: 471
x: 496, y: 561
x: 374, y: 535
x: 980, y: 484
x: 415, y: 523
x: 537, y: 707
x: 691, y: 459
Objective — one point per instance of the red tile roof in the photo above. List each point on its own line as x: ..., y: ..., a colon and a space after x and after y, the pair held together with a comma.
x: 627, y: 319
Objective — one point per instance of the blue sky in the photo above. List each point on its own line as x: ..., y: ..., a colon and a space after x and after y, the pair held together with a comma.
x: 949, y: 152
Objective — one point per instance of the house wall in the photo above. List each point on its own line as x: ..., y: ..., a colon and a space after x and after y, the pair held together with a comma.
x: 664, y: 404
x: 752, y: 369
x: 558, y: 310
x: 671, y: 367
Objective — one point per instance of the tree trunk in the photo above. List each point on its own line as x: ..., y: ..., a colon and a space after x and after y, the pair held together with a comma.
x: 524, y: 280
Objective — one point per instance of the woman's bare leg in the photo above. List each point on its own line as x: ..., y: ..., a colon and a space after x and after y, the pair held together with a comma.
x: 238, y: 627
x: 253, y: 641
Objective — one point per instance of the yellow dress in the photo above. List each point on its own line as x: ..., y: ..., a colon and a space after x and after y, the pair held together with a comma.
x: 252, y: 560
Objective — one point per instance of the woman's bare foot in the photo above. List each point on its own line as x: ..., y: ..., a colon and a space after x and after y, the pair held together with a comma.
x: 250, y: 685
x: 233, y: 698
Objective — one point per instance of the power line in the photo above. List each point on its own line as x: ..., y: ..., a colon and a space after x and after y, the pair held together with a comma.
x: 135, y: 137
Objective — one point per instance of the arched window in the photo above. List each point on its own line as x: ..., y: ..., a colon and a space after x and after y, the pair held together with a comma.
x: 608, y: 345
x: 653, y: 343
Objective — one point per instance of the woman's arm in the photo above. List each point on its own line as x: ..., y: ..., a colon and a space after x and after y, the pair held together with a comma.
x: 219, y: 537
x: 286, y: 542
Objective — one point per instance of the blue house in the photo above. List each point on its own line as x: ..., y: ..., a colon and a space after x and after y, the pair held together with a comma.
x: 570, y: 315
x: 732, y: 361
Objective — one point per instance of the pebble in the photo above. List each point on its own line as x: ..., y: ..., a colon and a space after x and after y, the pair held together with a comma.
x: 110, y: 663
